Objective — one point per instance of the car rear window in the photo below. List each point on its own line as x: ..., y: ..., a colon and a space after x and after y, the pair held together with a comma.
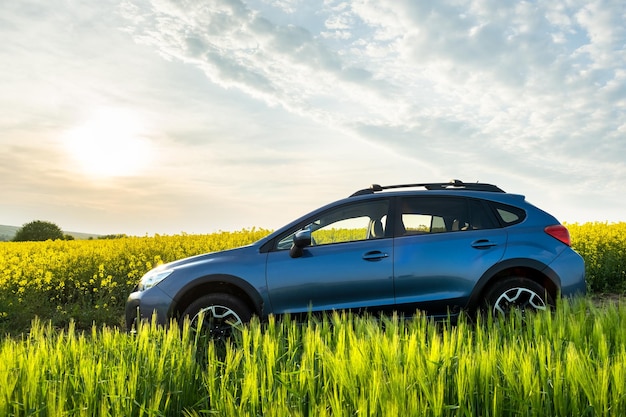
x: 509, y: 215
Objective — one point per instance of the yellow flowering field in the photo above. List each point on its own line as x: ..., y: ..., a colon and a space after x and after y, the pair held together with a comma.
x: 88, y: 281
x: 603, y: 246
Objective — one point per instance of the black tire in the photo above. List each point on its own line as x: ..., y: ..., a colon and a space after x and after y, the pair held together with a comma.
x: 215, y: 315
x: 516, y: 293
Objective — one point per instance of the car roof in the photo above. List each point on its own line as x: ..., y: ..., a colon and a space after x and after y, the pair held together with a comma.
x: 432, y: 186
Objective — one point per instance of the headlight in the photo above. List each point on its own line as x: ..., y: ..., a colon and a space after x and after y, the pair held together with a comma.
x: 153, y: 277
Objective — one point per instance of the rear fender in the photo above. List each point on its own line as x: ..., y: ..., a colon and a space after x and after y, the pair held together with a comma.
x: 529, y: 268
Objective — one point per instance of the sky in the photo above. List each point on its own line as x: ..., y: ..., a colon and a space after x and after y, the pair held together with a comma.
x: 151, y: 117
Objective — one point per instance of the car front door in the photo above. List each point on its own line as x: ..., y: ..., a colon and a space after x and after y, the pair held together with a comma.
x: 349, y: 264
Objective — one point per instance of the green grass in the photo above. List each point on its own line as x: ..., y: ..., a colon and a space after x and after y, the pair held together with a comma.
x: 102, y: 373
x: 569, y: 362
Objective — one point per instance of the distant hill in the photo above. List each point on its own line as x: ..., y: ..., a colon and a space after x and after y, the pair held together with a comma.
x: 7, y: 233
x: 82, y: 236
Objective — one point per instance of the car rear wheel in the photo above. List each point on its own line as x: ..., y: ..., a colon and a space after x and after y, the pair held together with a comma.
x: 215, y: 315
x: 516, y: 293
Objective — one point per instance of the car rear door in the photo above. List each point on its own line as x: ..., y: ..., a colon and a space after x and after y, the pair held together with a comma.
x: 443, y: 245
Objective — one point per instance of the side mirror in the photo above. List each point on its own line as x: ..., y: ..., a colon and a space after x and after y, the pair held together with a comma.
x: 301, y: 240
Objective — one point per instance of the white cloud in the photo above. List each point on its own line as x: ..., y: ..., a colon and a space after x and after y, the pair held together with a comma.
x: 239, y: 94
x: 469, y: 79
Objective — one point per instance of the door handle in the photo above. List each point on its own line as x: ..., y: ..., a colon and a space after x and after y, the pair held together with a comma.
x: 483, y: 244
x: 375, y: 255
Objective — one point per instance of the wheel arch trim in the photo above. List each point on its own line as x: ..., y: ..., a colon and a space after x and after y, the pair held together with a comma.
x: 511, y: 265
x: 220, y: 283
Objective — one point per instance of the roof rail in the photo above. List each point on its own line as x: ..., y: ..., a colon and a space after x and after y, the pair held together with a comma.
x: 451, y: 185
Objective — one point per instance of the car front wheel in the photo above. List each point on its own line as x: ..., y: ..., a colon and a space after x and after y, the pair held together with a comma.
x: 517, y: 293
x: 215, y: 315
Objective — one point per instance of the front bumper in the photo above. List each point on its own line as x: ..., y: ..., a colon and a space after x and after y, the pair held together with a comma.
x: 146, y: 305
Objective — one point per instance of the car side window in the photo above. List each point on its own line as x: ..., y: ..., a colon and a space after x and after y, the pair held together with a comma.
x: 426, y: 215
x: 347, y: 223
x: 417, y: 223
x: 509, y: 215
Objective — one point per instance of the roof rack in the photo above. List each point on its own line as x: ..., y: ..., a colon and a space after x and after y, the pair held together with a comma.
x: 451, y: 185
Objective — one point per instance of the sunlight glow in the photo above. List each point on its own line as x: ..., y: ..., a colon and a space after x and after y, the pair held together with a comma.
x: 111, y: 143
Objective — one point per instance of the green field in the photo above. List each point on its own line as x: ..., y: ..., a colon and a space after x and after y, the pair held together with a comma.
x: 571, y: 362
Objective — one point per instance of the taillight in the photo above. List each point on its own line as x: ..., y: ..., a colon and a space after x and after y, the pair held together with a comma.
x: 559, y: 232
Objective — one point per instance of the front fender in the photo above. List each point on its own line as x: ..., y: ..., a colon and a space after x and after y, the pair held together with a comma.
x: 216, y: 283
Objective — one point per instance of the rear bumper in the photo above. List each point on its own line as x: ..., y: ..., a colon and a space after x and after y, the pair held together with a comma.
x: 570, y: 267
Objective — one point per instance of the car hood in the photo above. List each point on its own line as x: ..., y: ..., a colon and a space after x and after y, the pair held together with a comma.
x: 207, y: 257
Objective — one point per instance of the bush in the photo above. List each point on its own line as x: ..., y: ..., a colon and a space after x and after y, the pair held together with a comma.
x: 37, y: 231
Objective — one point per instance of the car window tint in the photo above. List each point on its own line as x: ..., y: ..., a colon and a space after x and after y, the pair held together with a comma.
x: 347, y: 223
x: 480, y: 215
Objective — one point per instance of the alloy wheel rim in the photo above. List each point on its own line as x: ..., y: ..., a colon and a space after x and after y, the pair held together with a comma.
x: 521, y: 298
x: 215, y: 321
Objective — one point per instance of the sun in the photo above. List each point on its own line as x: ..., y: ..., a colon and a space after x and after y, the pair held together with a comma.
x: 110, y: 143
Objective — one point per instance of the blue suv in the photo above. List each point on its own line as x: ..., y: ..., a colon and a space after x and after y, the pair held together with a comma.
x: 441, y: 248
